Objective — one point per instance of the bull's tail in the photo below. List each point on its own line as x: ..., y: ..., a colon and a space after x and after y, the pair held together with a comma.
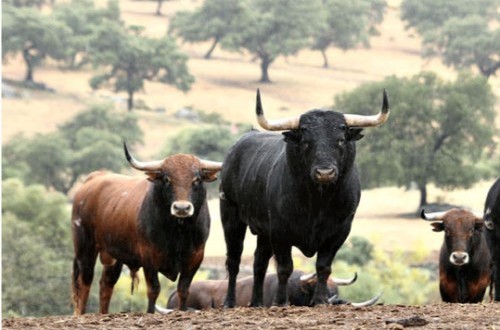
x: 135, y: 280
x: 75, y: 285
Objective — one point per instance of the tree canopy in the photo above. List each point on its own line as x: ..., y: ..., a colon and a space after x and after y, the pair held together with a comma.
x: 273, y: 28
x: 127, y: 59
x: 36, y: 265
x: 462, y: 32
x: 89, y: 142
x: 438, y: 132
x: 213, y: 21
x: 35, y: 35
x: 347, y: 24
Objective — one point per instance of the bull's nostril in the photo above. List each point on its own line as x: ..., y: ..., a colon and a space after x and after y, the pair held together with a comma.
x: 325, y: 171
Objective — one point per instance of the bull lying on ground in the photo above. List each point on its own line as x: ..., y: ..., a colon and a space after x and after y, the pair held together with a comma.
x: 492, y: 233
x: 211, y: 293
x: 300, y: 188
x: 464, y: 260
x: 160, y: 223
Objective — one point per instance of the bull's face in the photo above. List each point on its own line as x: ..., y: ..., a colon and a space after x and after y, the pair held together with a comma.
x: 462, y: 230
x: 323, y: 144
x: 323, y: 141
x: 179, y: 180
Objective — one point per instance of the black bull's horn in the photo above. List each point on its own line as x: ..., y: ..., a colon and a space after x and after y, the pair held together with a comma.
x: 351, y: 119
x: 156, y: 165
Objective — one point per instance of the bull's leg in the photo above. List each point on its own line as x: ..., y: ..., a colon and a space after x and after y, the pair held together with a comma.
x: 109, y: 277
x: 83, y: 271
x: 283, y: 255
x: 262, y: 254
x: 496, y: 282
x: 153, y: 285
x: 186, y: 277
x: 234, y: 235
x: 326, y: 254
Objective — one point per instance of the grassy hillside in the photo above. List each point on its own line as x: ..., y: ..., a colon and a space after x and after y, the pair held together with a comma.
x: 226, y: 84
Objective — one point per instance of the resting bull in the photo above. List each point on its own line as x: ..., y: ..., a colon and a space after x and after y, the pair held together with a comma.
x: 464, y: 259
x: 211, y: 293
x: 160, y: 223
x: 299, y: 188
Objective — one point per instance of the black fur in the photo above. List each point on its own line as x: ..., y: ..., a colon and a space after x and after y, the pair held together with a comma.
x: 493, y: 235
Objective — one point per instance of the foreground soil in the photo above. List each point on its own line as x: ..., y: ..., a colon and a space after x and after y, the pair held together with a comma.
x: 439, y: 316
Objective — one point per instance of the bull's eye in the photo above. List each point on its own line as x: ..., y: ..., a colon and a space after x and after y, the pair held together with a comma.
x: 341, y: 142
x: 196, y: 181
x: 166, y: 179
x: 447, y: 232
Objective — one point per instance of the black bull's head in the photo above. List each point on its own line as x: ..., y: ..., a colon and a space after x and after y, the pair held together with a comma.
x: 323, y: 140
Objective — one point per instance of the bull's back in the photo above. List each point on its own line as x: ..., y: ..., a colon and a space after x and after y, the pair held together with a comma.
x: 247, y: 167
x: 108, y: 202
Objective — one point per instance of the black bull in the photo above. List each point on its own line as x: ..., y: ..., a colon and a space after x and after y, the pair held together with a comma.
x: 297, y: 189
x: 492, y: 233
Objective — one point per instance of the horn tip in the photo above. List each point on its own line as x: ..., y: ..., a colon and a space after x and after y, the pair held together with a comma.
x: 385, y: 102
x: 259, y: 104
x: 422, y: 214
x: 127, y: 153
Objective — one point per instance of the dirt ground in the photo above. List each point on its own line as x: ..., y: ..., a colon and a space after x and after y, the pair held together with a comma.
x: 438, y: 316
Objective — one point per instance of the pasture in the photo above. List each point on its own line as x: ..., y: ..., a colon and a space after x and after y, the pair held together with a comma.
x: 226, y: 85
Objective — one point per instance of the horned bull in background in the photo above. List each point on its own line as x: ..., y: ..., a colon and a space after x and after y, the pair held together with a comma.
x: 464, y: 259
x: 160, y: 223
x: 299, y: 188
x: 492, y: 233
x: 211, y: 293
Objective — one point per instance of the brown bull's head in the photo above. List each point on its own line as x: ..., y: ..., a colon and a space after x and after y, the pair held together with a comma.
x: 462, y: 230
x: 180, y: 178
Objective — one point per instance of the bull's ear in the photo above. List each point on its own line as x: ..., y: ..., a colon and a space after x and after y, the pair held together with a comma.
x: 354, y: 134
x: 438, y: 226
x: 153, y: 175
x: 209, y: 175
x: 292, y: 136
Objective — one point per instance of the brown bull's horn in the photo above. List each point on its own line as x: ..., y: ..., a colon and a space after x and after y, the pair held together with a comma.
x: 432, y: 216
x: 369, y: 302
x: 210, y: 165
x: 162, y: 310
x: 343, y: 281
x: 369, y: 121
x: 275, y: 125
x: 307, y: 277
x: 142, y: 166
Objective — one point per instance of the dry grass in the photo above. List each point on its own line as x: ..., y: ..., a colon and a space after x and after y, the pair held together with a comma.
x: 226, y: 84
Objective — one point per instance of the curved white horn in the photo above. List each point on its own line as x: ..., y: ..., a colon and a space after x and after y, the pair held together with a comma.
x: 162, y: 310
x: 344, y: 281
x: 370, y: 121
x: 210, y: 165
x: 275, y: 125
x: 142, y: 166
x: 369, y: 302
x: 432, y: 216
x: 307, y: 277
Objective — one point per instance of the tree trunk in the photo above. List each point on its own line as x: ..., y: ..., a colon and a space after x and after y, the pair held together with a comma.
x: 130, y: 101
x: 423, y: 196
x: 28, y: 59
x: 264, y: 67
x: 214, y: 44
x: 325, y: 58
x: 158, y: 9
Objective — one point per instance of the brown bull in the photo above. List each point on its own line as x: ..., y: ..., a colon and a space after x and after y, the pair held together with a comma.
x: 211, y: 293
x: 464, y: 261
x: 160, y: 223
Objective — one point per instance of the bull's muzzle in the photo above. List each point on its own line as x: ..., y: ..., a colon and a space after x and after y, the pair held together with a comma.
x: 459, y: 258
x: 182, y: 209
x: 325, y: 174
